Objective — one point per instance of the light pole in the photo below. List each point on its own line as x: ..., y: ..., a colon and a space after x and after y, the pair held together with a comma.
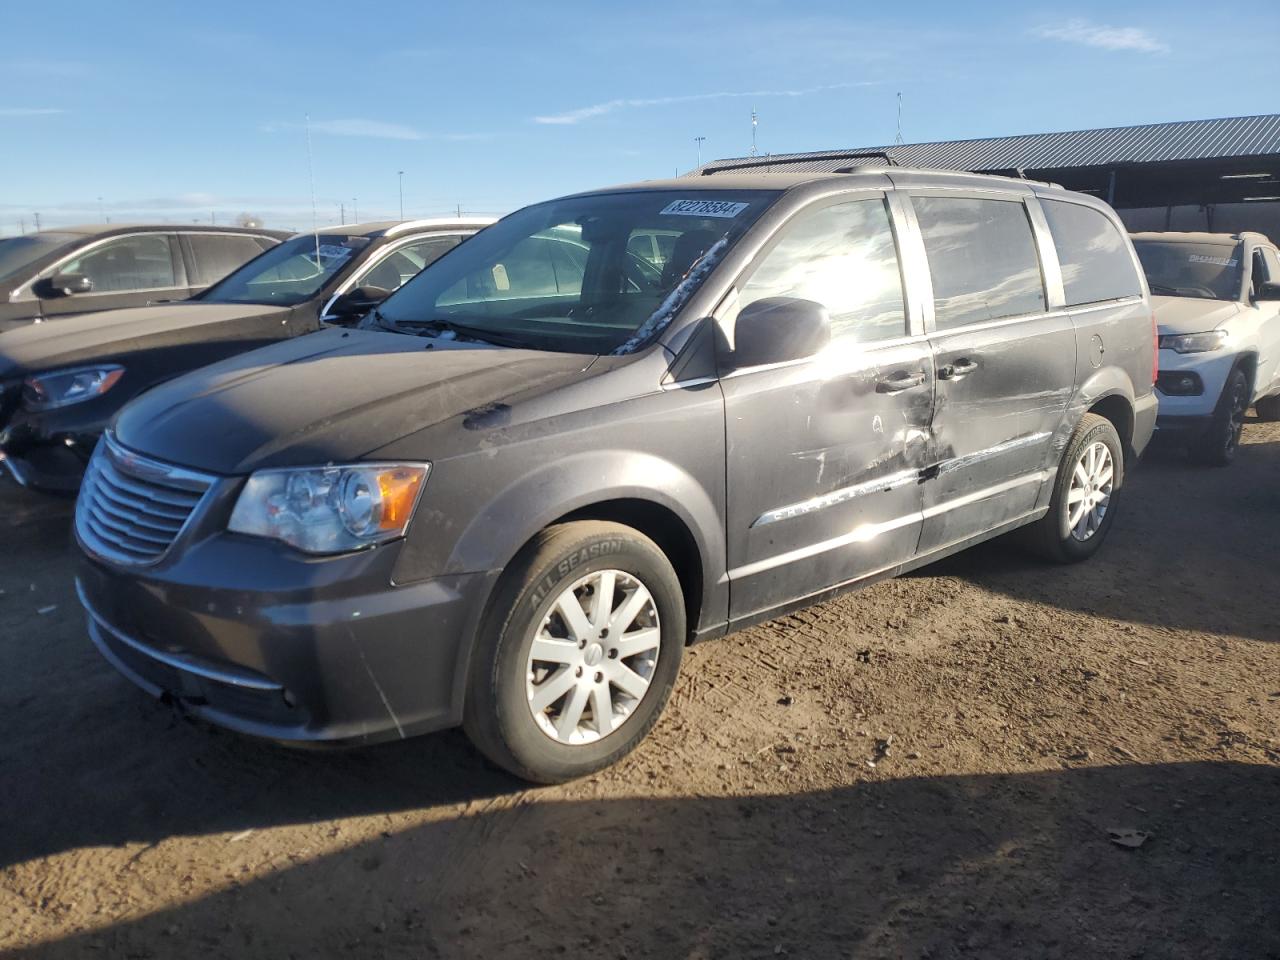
x: 699, y: 141
x: 401, y: 175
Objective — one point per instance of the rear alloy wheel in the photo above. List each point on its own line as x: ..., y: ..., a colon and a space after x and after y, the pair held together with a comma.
x: 1217, y: 446
x: 579, y: 652
x: 1089, y: 496
x: 1083, y: 504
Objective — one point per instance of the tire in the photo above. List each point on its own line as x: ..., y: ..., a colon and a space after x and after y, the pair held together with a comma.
x: 1053, y: 536
x: 563, y: 738
x: 1268, y: 408
x: 1217, y: 446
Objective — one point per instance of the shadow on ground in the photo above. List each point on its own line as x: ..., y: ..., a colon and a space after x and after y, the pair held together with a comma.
x: 1192, y: 548
x: 990, y: 866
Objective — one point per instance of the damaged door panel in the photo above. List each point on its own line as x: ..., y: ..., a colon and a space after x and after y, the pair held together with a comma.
x: 1005, y: 365
x: 1001, y: 396
x: 824, y: 469
x: 825, y: 455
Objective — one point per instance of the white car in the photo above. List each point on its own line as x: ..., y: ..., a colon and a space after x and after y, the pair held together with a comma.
x: 1217, y: 306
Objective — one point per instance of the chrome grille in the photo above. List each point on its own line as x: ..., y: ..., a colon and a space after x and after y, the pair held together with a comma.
x: 131, y: 508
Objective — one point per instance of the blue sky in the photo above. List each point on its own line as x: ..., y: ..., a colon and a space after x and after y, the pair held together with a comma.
x: 176, y: 111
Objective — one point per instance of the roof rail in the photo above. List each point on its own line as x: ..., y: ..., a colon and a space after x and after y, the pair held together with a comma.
x: 730, y: 166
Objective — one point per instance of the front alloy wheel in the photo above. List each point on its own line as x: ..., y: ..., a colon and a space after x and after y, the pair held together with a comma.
x: 593, y: 657
x: 578, y: 652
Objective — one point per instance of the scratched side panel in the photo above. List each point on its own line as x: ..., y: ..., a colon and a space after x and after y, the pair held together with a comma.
x: 994, y: 429
x: 822, y: 471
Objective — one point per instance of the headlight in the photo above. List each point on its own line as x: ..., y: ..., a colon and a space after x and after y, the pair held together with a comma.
x: 61, y: 388
x: 1194, y: 342
x: 330, y: 509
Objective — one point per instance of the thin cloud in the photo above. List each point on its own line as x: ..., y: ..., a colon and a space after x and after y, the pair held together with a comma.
x: 375, y: 129
x: 1102, y: 36
x: 609, y: 106
x: 29, y: 111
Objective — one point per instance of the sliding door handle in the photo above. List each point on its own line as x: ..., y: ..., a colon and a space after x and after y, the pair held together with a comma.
x: 955, y: 371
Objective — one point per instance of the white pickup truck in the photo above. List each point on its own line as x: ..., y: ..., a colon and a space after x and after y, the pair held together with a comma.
x: 1217, y: 306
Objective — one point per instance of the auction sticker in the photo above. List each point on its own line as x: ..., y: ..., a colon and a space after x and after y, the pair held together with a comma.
x: 704, y: 208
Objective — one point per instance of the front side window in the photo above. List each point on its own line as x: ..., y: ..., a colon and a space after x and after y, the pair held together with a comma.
x: 290, y: 272
x: 566, y: 275
x: 1095, y: 261
x: 129, y: 263
x: 1265, y: 269
x: 1204, y: 270
x: 982, y: 258
x: 843, y: 257
x: 405, y: 262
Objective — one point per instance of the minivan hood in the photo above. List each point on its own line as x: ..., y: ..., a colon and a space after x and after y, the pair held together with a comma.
x: 1191, y: 314
x: 329, y: 397
x: 115, y: 333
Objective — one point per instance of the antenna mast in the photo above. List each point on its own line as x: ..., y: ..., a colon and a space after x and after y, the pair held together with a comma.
x: 754, y: 120
x: 311, y: 175
x: 897, y: 141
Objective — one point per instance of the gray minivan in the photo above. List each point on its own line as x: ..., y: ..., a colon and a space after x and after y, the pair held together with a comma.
x: 557, y: 456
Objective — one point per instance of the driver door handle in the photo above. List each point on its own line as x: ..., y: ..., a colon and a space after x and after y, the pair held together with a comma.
x: 959, y: 369
x: 899, y: 380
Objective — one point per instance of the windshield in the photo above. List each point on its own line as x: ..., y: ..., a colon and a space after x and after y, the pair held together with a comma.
x: 288, y: 273
x: 595, y: 274
x: 18, y: 253
x: 1208, y: 271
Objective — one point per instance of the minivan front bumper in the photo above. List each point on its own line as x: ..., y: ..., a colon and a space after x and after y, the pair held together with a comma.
x: 303, y: 651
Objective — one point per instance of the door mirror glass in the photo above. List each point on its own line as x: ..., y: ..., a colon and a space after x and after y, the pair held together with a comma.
x: 65, y: 285
x: 355, y: 303
x: 779, y: 329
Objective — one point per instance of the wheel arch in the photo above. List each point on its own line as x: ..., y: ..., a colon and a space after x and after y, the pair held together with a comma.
x: 1247, y: 361
x: 664, y: 527
x: 1110, y: 394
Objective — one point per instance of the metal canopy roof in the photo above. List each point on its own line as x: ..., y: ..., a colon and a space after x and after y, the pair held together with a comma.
x: 1148, y: 143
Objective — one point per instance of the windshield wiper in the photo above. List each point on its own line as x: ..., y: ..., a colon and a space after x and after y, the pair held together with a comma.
x: 422, y: 328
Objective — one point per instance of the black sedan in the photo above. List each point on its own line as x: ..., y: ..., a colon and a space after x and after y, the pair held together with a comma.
x: 61, y: 383
x: 61, y: 273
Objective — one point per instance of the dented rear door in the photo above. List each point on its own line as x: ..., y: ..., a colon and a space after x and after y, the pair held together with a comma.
x: 1004, y: 358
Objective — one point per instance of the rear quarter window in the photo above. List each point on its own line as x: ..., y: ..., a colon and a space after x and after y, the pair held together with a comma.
x: 1095, y: 261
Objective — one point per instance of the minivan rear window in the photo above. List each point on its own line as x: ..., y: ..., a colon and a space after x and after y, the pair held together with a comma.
x: 982, y: 258
x: 1095, y: 261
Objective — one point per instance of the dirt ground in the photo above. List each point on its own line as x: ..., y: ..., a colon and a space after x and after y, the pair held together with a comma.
x: 928, y: 768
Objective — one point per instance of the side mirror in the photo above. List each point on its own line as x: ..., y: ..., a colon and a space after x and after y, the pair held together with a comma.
x: 355, y: 303
x: 778, y: 329
x: 65, y: 285
x: 1270, y: 290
